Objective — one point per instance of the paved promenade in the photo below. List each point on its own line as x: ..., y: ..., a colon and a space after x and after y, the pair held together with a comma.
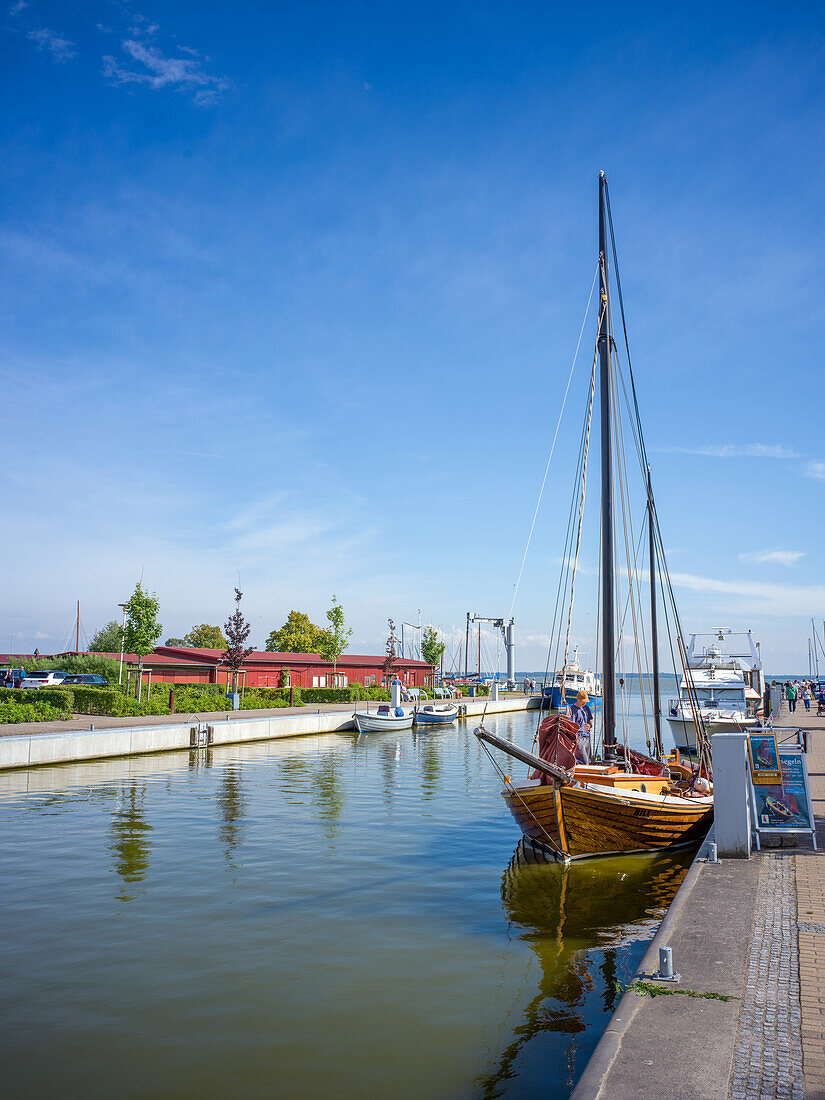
x: 751, y: 930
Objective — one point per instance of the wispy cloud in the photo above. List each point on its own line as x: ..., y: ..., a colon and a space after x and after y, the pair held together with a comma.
x: 739, y: 450
x: 60, y: 48
x: 150, y: 67
x: 816, y: 470
x: 15, y: 9
x: 773, y: 557
x: 760, y: 597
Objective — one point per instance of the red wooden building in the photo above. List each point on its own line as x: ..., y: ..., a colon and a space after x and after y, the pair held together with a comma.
x: 180, y: 664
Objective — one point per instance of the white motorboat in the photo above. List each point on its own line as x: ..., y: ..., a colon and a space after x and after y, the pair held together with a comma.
x: 727, y: 691
x: 567, y: 683
x: 384, y: 718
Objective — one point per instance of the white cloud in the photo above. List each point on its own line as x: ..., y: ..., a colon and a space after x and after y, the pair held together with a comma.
x: 815, y: 470
x: 774, y: 557
x: 739, y: 450
x: 60, y: 48
x: 15, y: 9
x: 759, y: 597
x: 154, y: 69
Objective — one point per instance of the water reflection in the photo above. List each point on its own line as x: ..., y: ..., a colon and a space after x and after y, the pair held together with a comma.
x: 328, y: 795
x: 579, y: 920
x: 428, y: 751
x: 130, y: 838
x: 232, y: 806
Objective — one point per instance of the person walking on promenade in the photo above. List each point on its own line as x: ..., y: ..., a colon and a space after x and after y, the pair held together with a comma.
x: 583, y: 717
x: 790, y: 693
x: 806, y: 695
x: 526, y: 685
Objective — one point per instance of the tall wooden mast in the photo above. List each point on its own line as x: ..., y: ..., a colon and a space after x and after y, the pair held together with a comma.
x: 654, y: 626
x: 608, y: 628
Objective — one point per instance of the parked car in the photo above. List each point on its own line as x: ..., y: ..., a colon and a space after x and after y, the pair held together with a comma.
x: 88, y: 679
x: 48, y: 678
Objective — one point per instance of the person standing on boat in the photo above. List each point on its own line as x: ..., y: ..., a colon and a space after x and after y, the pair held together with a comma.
x: 583, y: 717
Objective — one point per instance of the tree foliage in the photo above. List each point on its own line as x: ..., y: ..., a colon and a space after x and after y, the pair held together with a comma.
x: 432, y: 650
x: 107, y: 639
x: 174, y: 641
x: 237, y: 631
x: 142, y: 627
x: 205, y: 636
x: 297, y: 635
x: 335, y: 639
x: 391, y: 649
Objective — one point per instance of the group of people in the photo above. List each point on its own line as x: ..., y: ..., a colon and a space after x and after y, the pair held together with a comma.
x: 530, y: 685
x: 806, y: 690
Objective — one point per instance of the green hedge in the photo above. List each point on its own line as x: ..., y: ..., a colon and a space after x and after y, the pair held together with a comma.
x: 12, y: 710
x: 53, y: 696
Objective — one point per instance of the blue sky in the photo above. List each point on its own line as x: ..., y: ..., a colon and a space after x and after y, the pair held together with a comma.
x: 291, y: 292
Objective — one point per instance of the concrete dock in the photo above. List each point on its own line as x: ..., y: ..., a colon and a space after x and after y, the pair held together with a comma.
x: 88, y: 737
x: 750, y: 930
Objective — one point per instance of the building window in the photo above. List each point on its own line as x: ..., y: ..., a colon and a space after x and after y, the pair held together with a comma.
x: 315, y: 681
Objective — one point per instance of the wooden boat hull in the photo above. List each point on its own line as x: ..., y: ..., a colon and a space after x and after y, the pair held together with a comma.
x: 582, y: 821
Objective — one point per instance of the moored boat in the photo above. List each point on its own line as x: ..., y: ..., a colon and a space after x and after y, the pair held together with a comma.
x: 436, y: 714
x: 382, y: 719
x: 622, y: 801
x: 721, y: 691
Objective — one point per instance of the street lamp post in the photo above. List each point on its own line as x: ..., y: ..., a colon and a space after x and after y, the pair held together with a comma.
x: 122, y: 641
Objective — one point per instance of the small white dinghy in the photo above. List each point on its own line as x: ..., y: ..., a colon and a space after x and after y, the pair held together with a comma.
x: 385, y: 718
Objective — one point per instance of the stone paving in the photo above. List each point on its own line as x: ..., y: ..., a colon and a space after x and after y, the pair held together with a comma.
x: 810, y: 901
x: 780, y: 1046
x: 767, y: 1058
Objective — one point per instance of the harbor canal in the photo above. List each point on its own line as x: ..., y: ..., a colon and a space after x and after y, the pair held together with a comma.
x: 321, y: 916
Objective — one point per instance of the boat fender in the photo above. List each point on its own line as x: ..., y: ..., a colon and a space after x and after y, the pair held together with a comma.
x: 399, y: 712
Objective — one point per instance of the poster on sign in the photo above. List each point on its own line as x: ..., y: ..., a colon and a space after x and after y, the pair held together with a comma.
x: 785, y: 806
x: 764, y: 758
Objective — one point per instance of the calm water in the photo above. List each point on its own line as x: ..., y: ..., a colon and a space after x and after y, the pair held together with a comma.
x: 329, y: 916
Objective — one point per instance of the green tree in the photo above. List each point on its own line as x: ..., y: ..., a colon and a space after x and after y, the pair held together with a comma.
x: 174, y: 641
x: 334, y: 640
x: 142, y: 627
x: 107, y: 639
x: 205, y: 636
x: 297, y: 635
x: 432, y: 650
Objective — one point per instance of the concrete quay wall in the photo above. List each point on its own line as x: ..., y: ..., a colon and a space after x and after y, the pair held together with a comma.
x: 71, y: 745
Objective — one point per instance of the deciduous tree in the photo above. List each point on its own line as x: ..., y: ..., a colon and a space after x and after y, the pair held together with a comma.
x: 297, y: 635
x: 142, y: 627
x: 205, y: 636
x: 334, y: 640
x: 391, y: 649
x: 107, y: 639
x: 237, y: 631
x: 432, y: 650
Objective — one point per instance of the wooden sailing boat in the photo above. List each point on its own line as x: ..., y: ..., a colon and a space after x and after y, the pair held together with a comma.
x: 624, y: 802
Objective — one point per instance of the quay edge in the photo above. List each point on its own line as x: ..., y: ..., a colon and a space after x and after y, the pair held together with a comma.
x: 673, y: 1047
x: 66, y: 746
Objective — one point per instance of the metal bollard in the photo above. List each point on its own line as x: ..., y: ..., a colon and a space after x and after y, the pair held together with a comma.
x: 713, y: 853
x: 665, y: 972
